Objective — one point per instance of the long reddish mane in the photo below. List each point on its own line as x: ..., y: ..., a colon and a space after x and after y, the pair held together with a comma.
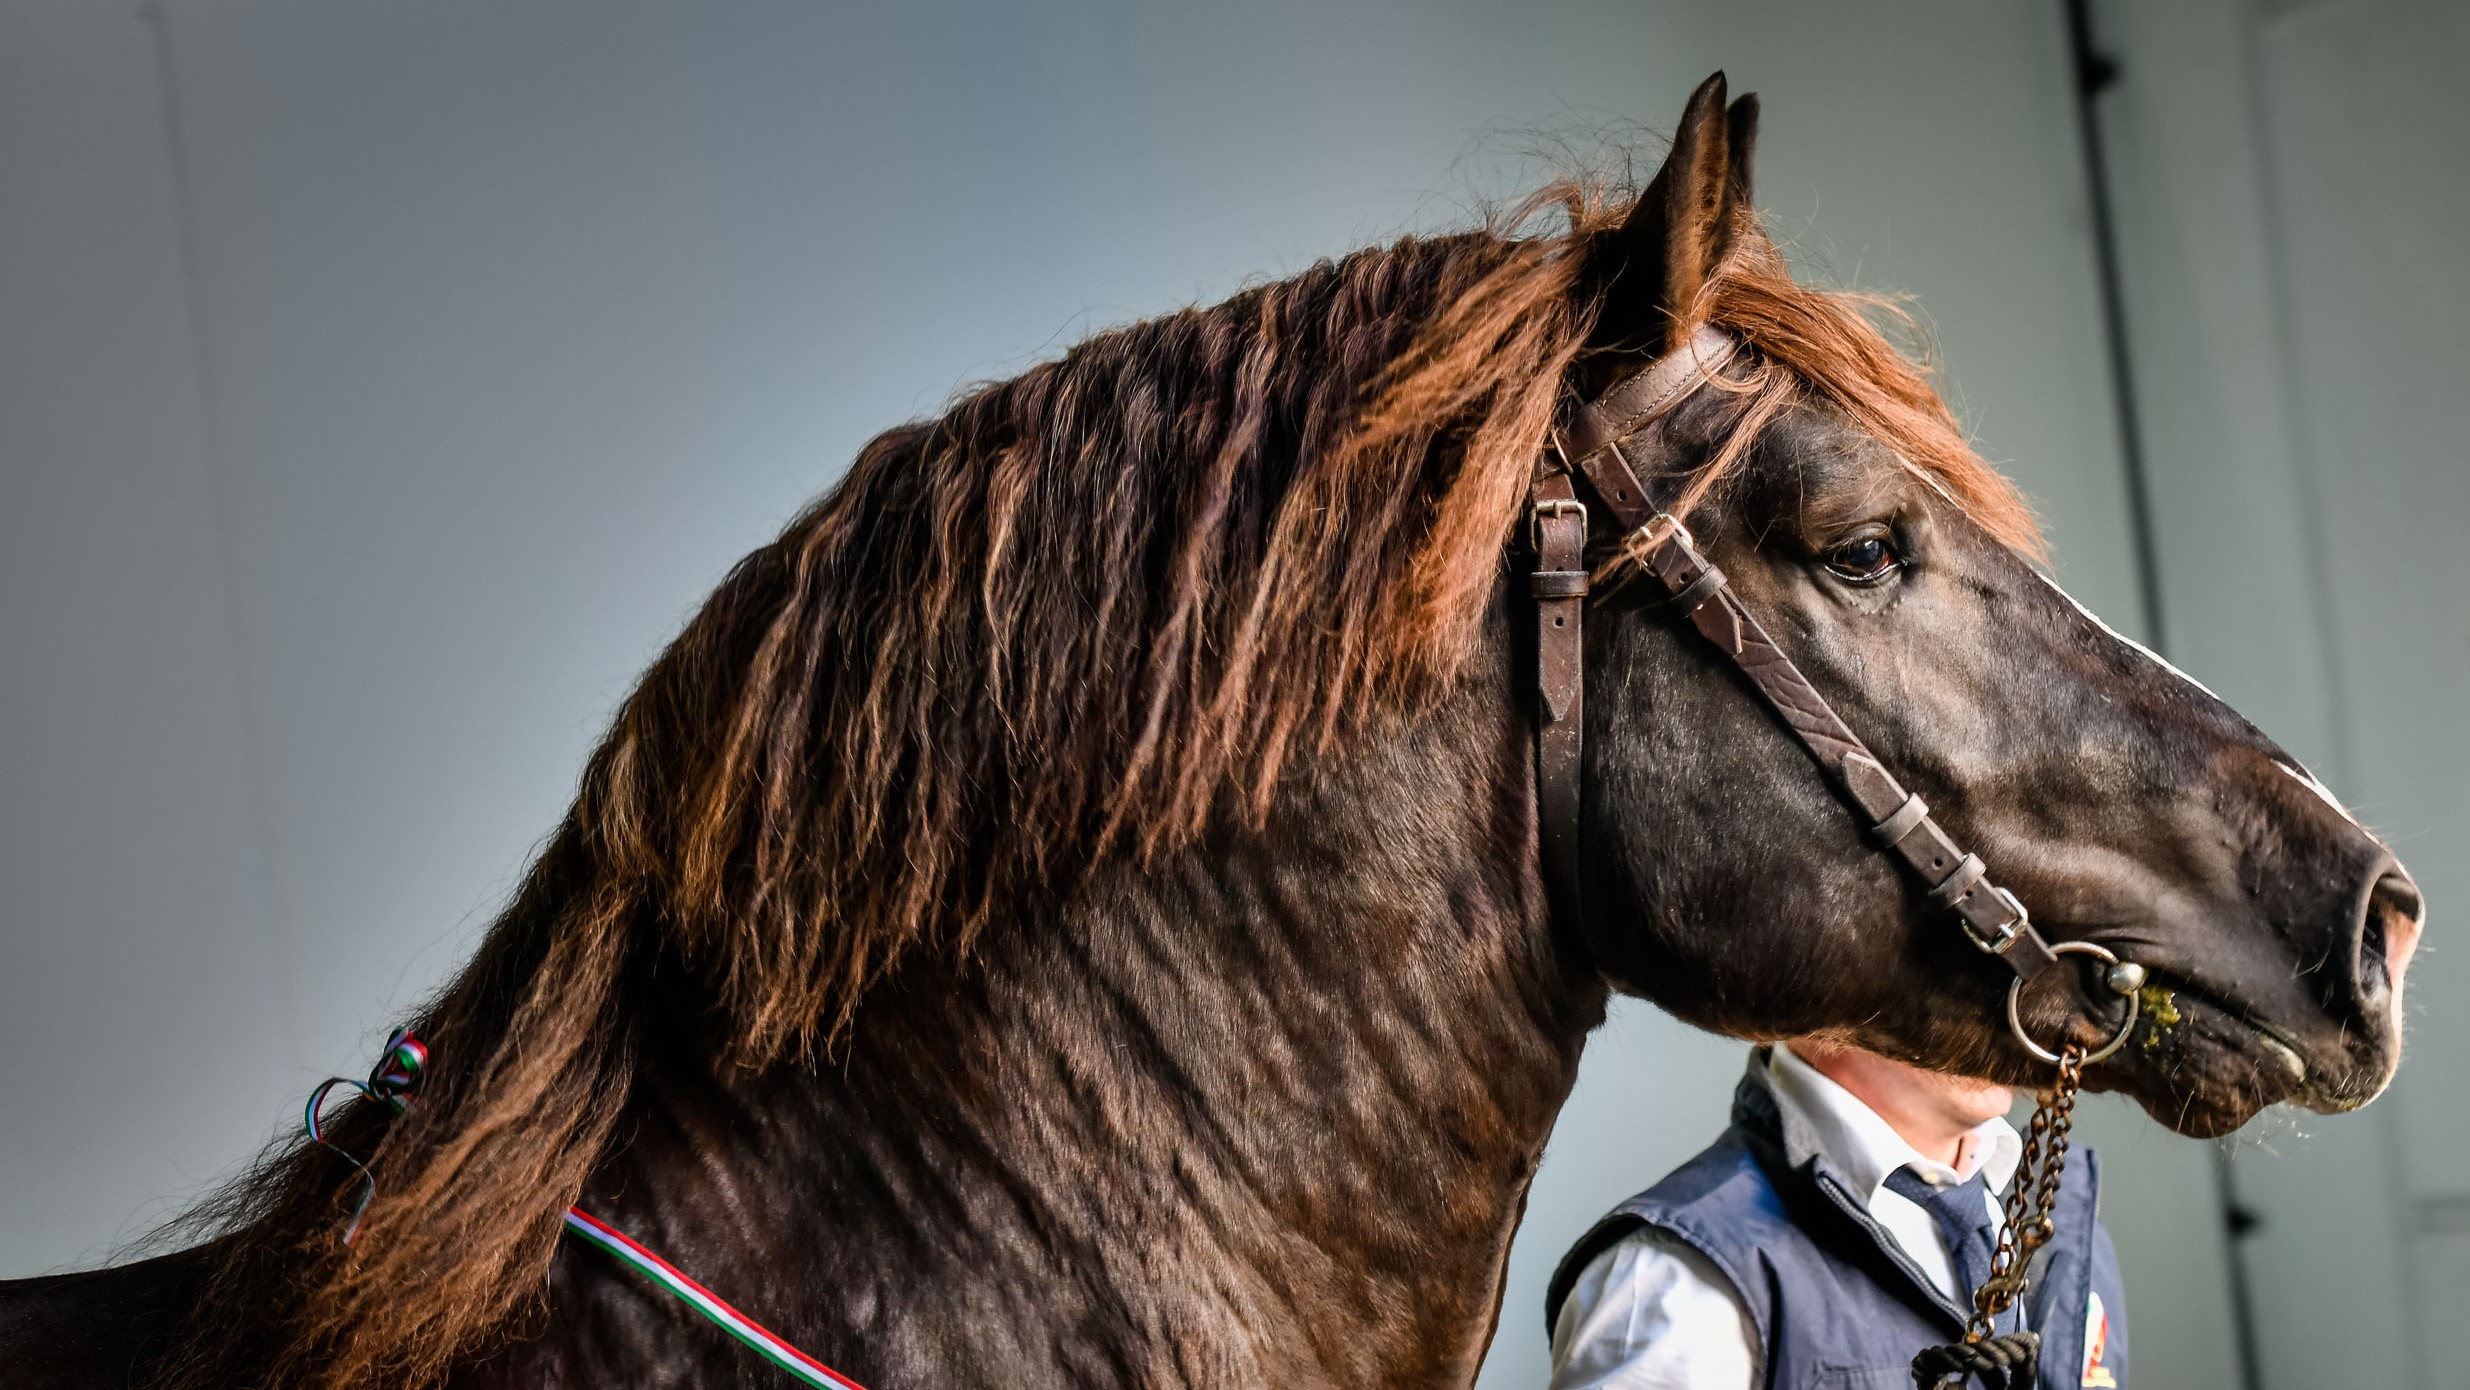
x: 1082, y: 614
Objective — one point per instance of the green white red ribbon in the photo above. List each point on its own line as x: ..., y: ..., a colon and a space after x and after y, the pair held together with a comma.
x: 398, y: 1074
x: 765, y: 1342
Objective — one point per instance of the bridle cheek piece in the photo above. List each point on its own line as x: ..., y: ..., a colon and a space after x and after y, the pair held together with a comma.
x: 1898, y: 822
x: 1589, y: 448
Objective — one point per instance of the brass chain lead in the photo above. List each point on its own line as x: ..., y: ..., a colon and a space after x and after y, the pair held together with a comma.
x: 2032, y: 1195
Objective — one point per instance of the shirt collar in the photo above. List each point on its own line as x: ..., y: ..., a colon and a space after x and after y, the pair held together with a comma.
x: 1822, y: 1119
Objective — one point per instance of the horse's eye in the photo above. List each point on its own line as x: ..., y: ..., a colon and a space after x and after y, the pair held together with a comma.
x: 1865, y: 561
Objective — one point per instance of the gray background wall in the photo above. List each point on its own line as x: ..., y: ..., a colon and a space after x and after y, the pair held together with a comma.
x: 380, y: 385
x: 2294, y: 187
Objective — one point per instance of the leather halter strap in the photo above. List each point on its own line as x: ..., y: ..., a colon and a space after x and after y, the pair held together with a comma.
x: 1589, y: 447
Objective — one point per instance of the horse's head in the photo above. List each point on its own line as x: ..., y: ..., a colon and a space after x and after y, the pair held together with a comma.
x: 2119, y: 800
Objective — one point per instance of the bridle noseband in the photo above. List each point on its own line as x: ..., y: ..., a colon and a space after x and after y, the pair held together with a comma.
x: 1589, y: 448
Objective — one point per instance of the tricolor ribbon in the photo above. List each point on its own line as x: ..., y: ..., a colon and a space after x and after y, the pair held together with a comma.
x: 766, y: 1343
x: 391, y: 1084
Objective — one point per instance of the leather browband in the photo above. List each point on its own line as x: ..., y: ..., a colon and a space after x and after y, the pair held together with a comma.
x: 1589, y: 447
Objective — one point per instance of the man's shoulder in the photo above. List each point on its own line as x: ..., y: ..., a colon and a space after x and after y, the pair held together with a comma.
x: 1713, y: 1204
x: 1651, y: 1310
x: 1726, y: 1174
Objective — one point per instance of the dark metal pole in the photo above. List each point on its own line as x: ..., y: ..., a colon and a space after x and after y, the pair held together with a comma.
x: 2095, y: 71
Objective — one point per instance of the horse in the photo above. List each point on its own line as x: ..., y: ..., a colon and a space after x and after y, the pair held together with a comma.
x: 1074, y: 908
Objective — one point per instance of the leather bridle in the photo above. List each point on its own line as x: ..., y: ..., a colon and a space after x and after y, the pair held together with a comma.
x: 1589, y: 448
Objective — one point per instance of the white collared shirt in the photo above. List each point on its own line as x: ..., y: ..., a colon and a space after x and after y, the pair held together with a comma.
x: 1651, y: 1313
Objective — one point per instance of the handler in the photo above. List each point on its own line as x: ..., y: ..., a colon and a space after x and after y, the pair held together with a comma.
x: 1834, y: 1231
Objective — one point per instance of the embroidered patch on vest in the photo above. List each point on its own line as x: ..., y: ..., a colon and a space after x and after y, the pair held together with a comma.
x: 2097, y: 1345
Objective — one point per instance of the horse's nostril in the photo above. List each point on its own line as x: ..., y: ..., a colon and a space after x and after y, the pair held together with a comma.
x: 2390, y: 931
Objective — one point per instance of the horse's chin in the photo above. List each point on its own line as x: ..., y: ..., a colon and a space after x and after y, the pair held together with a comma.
x: 2214, y: 1070
x: 2204, y: 1069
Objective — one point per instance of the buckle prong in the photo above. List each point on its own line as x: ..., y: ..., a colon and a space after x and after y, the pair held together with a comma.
x: 2008, y: 933
x: 1661, y: 527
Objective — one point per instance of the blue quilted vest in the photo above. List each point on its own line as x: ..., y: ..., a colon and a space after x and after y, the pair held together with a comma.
x: 1835, y: 1301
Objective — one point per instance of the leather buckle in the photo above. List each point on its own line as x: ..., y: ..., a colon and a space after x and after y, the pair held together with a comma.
x: 1660, y: 528
x: 1553, y: 506
x: 1999, y: 942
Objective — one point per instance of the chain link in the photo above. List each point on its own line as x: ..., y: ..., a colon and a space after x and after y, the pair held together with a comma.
x: 2032, y: 1195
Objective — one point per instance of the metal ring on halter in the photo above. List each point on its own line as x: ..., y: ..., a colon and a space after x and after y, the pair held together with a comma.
x: 2124, y: 978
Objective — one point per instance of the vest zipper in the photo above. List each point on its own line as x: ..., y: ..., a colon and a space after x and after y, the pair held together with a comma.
x: 1893, y: 1249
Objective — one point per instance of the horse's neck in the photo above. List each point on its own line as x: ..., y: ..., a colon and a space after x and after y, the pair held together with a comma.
x: 1262, y: 1111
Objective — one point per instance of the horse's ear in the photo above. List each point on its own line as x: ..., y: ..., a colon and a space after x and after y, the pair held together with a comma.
x: 1662, y: 256
x: 1741, y: 146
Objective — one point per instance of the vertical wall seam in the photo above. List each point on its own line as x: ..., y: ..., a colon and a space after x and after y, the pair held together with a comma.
x: 274, y: 929
x: 2301, y: 421
x: 2094, y: 72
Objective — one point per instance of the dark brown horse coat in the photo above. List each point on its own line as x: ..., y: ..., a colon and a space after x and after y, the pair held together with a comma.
x: 1068, y: 911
